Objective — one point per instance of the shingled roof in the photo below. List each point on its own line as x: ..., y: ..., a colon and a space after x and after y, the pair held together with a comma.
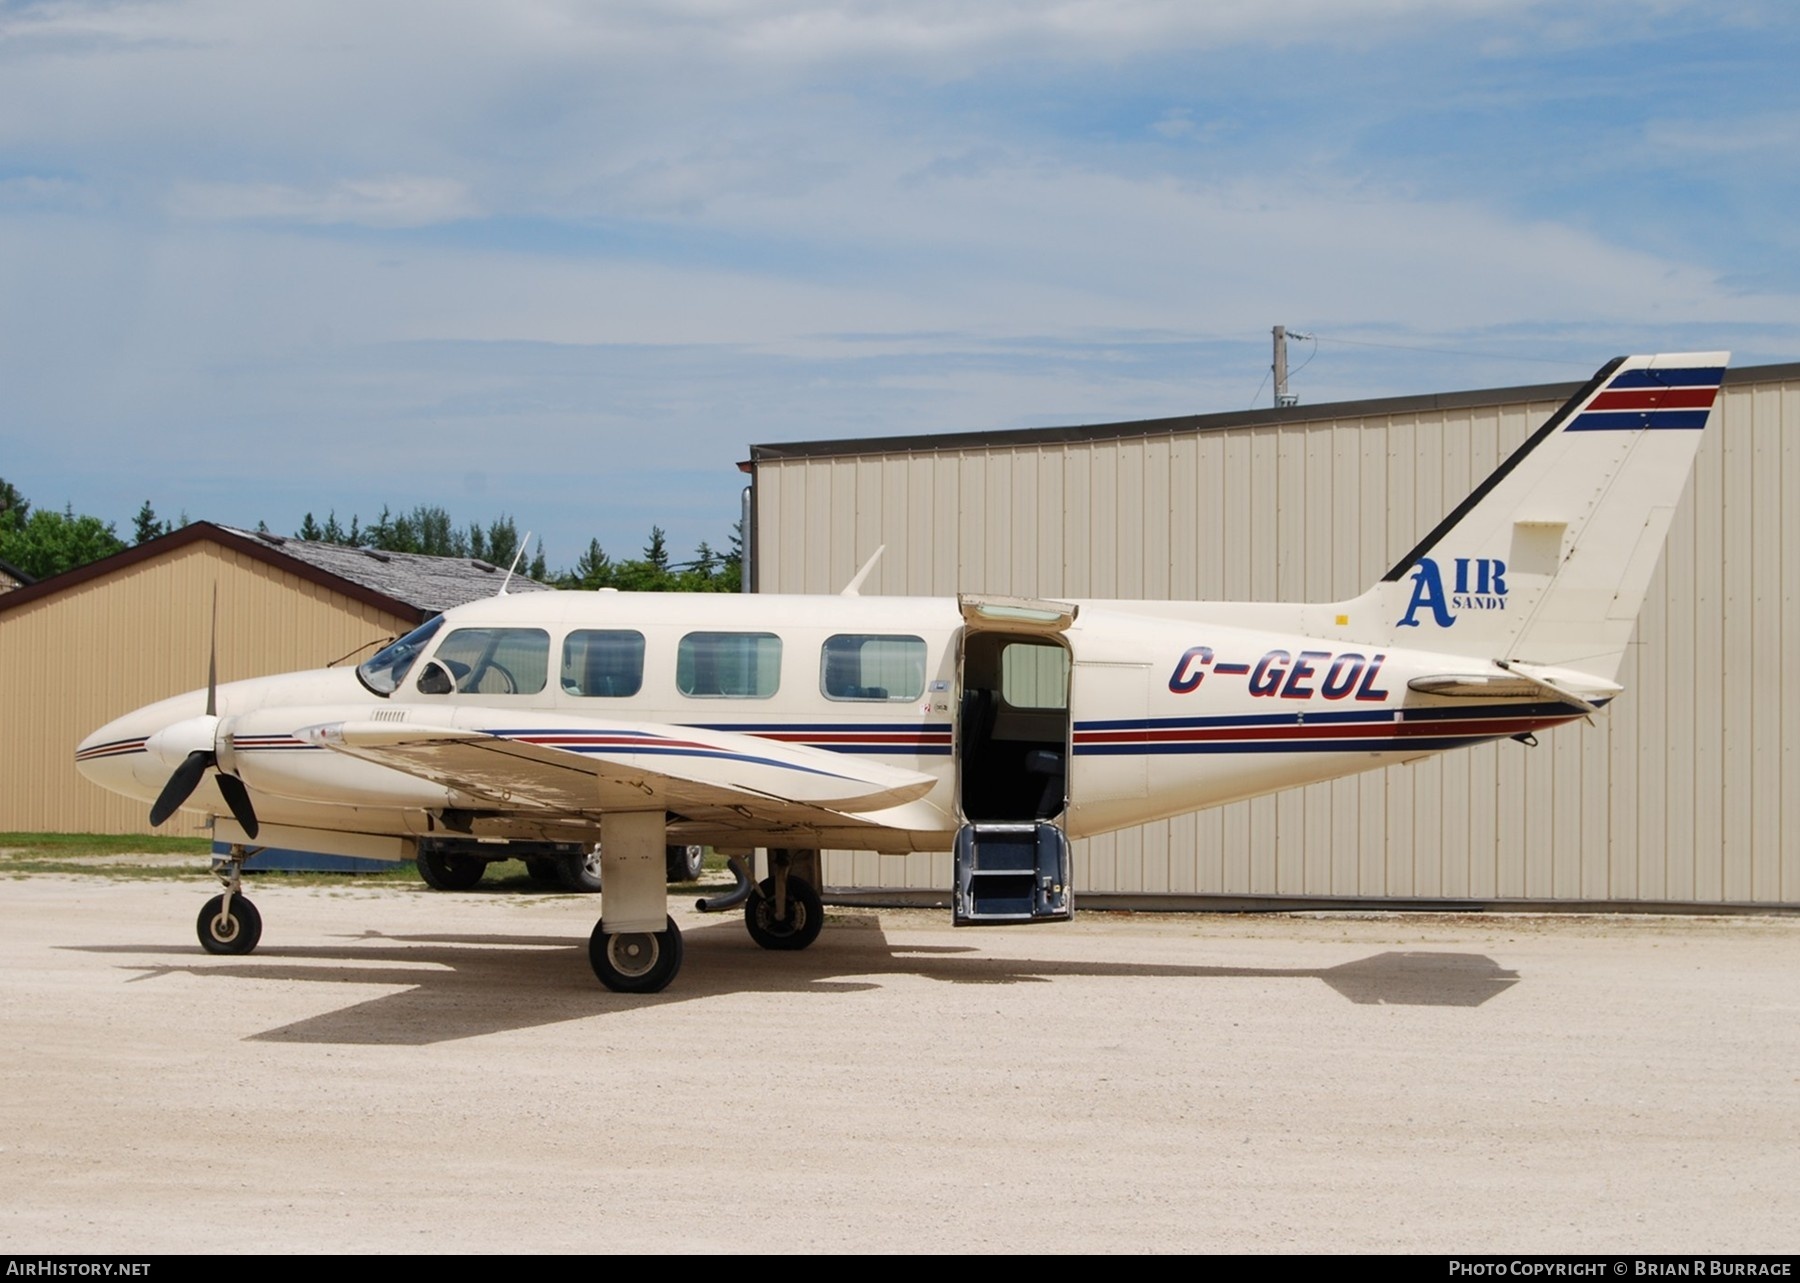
x: 403, y: 583
x: 12, y: 577
x: 429, y: 584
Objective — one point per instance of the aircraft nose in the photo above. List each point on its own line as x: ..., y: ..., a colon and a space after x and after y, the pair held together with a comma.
x: 116, y: 756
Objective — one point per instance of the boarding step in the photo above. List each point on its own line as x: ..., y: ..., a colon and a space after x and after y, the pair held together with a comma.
x: 1011, y: 872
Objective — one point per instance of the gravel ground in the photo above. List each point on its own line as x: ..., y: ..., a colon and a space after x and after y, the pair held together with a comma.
x: 403, y: 1070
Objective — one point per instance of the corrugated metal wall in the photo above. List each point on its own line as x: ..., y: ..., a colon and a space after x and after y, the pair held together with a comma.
x: 1687, y: 790
x: 75, y: 660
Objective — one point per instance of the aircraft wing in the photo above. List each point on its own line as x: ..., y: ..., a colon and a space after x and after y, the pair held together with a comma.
x: 574, y: 767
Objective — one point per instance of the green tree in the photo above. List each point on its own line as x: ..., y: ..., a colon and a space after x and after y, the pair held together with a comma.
x: 502, y: 541
x: 656, y: 552
x: 13, y: 505
x: 310, y: 530
x: 435, y: 534
x: 146, y: 527
x: 48, y: 543
x: 594, y: 569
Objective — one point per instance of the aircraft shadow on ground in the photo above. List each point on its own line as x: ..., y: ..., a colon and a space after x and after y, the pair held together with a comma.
x: 445, y: 987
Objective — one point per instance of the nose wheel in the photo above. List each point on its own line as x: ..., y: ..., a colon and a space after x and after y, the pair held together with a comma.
x: 229, y: 928
x: 229, y: 923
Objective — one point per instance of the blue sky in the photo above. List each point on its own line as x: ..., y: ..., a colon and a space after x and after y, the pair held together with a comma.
x: 568, y: 261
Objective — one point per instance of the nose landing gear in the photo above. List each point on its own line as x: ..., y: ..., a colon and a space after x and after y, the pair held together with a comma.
x: 229, y: 923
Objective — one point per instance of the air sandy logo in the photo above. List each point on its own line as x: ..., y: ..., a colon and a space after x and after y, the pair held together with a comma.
x: 1480, y: 584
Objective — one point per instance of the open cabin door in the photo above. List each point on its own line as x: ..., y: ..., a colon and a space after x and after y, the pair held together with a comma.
x: 1012, y: 758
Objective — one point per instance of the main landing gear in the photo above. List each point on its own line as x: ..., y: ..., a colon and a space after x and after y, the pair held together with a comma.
x: 783, y: 911
x: 229, y: 923
x: 636, y: 961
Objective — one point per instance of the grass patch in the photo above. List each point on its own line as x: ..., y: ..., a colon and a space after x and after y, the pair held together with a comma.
x: 41, y: 845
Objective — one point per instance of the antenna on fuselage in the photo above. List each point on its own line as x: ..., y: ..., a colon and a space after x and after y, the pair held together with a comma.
x: 854, y: 587
x: 523, y: 545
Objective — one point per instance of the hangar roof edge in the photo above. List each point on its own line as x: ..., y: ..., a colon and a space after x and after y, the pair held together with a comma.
x: 1077, y: 433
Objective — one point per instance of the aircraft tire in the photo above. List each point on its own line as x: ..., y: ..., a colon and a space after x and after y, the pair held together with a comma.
x: 445, y: 872
x: 636, y: 962
x: 579, y: 873
x: 685, y: 863
x: 806, y: 916
x: 236, y: 934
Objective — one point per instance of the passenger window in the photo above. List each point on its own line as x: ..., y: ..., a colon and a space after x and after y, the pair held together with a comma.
x: 1034, y: 675
x: 728, y: 665
x: 496, y: 661
x: 861, y: 666
x: 605, y: 662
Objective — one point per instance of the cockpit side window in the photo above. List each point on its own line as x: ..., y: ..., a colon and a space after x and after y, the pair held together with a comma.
x: 495, y: 661
x: 384, y: 672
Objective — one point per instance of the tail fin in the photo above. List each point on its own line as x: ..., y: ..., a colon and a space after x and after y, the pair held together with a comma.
x: 1545, y: 565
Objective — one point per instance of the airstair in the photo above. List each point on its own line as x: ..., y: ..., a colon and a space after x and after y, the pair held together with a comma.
x: 1011, y: 871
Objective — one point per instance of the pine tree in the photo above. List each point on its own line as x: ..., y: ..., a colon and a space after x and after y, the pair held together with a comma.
x: 656, y: 552
x: 594, y: 569
x: 502, y: 542
x: 146, y: 527
x: 13, y: 506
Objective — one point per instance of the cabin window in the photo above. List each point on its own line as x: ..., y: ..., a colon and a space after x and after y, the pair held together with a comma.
x: 728, y: 665
x: 387, y: 668
x: 1034, y: 674
x: 496, y: 661
x: 604, y: 662
x: 864, y: 666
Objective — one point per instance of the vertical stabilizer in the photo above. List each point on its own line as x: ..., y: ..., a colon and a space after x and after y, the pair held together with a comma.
x: 1546, y: 563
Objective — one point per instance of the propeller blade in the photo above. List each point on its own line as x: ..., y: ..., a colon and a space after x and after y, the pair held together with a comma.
x: 212, y: 658
x: 237, y: 797
x: 181, y: 785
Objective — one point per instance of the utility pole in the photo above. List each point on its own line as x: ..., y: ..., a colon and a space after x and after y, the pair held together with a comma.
x: 1283, y: 397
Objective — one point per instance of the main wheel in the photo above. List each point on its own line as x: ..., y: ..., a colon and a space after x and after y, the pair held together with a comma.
x: 236, y: 932
x: 542, y: 870
x: 579, y: 872
x: 805, y: 915
x: 636, y: 961
x: 445, y: 872
x: 685, y: 863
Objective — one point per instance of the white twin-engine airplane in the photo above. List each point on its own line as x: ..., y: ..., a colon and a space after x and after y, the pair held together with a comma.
x: 997, y: 728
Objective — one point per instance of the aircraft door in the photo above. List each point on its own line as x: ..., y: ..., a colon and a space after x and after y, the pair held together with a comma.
x: 1012, y: 753
x: 1012, y: 728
